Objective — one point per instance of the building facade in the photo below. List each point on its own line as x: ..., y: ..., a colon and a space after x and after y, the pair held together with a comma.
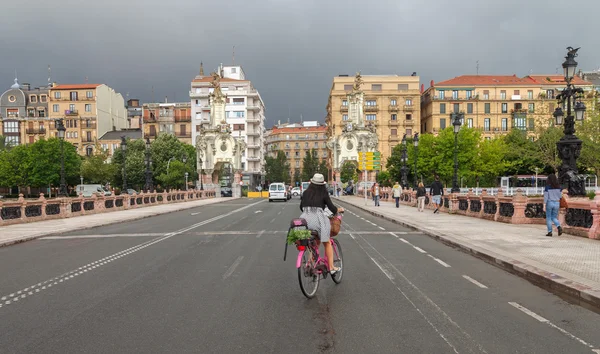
x: 391, y: 108
x: 495, y: 104
x: 296, y: 140
x: 134, y: 114
x: 244, y: 112
x: 168, y: 118
x: 111, y: 141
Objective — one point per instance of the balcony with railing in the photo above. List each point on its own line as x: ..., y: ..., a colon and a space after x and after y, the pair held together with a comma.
x: 253, y: 107
x: 393, y: 138
x: 408, y: 123
x: 393, y: 108
x: 35, y: 131
x: 371, y: 108
x: 409, y: 108
x: 255, y: 133
x: 253, y: 158
x: 254, y: 146
x: 393, y: 122
x: 88, y: 126
x: 185, y: 134
x: 344, y: 108
x: 253, y: 120
x: 71, y: 112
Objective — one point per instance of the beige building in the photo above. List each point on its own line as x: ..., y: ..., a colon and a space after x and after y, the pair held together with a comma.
x: 391, y: 105
x: 295, y: 140
x: 89, y: 111
x: 168, y: 118
x: 493, y: 103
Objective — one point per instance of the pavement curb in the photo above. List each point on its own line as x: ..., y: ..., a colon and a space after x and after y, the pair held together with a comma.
x: 106, y: 222
x: 570, y: 290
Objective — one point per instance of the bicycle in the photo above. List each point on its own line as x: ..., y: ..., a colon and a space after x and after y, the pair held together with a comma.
x: 311, y: 266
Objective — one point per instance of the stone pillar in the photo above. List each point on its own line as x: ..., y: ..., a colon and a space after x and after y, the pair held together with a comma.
x: 519, y: 205
x: 595, y: 205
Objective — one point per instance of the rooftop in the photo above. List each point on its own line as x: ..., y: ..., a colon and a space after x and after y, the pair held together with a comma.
x: 209, y: 79
x: 116, y: 135
x: 508, y: 80
x: 75, y: 86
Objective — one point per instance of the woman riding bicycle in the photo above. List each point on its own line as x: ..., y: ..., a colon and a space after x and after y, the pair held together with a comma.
x: 312, y: 204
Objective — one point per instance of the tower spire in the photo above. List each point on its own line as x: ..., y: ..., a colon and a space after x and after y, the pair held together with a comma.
x: 201, y: 69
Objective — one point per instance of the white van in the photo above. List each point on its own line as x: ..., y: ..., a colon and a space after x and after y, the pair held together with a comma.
x: 277, y: 191
x: 89, y: 189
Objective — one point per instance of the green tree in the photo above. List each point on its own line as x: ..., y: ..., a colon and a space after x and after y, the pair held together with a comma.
x: 277, y: 169
x: 4, y: 143
x: 96, y: 170
x: 45, y: 162
x: 310, y: 164
x: 589, y: 132
x: 384, y: 179
x: 349, y: 172
x: 322, y: 169
x: 546, y: 149
x: 15, y: 166
x: 491, y: 162
x: 520, y: 155
x: 176, y: 176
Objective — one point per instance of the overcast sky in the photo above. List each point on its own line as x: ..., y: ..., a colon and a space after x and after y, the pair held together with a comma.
x: 290, y: 49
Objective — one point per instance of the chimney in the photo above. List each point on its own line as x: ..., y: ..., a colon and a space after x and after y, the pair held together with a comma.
x: 166, y: 99
x: 26, y: 86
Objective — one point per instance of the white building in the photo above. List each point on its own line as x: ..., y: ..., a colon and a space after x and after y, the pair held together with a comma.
x: 245, y: 113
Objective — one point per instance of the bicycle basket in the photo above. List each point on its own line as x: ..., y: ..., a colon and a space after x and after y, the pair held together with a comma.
x: 336, y: 224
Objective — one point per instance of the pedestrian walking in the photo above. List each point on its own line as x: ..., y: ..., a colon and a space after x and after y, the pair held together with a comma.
x: 396, y: 193
x: 376, y: 191
x: 552, y: 195
x: 421, y: 192
x: 436, y: 191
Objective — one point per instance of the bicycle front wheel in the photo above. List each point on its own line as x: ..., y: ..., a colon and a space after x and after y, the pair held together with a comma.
x: 337, y: 262
x: 307, y: 275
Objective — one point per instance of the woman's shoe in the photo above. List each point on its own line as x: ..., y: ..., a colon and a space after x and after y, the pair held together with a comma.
x: 549, y: 234
x: 560, y: 231
x: 334, y: 270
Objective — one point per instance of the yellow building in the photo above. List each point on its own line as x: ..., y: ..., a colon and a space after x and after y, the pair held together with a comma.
x: 168, y: 118
x: 391, y: 104
x: 493, y: 103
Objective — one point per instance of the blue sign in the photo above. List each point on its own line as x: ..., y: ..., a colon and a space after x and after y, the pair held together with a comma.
x: 297, y: 183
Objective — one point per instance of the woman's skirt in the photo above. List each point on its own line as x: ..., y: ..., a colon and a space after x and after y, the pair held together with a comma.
x: 317, y: 220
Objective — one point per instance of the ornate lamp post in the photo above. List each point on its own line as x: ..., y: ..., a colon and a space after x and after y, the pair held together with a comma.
x: 149, y: 186
x: 124, y: 150
x: 456, y: 119
x: 60, y: 127
x: 569, y: 145
x: 416, y: 143
x: 186, y: 181
x: 201, y: 174
x: 403, y: 169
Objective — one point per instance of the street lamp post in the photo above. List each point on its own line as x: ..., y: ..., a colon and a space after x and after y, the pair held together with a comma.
x: 416, y: 143
x: 60, y: 127
x: 201, y: 174
x: 186, y: 181
x: 149, y: 186
x: 403, y: 169
x: 124, y: 150
x: 456, y: 119
x: 569, y: 145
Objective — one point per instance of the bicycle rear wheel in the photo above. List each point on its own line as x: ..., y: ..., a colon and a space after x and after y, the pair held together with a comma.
x: 307, y: 275
x: 337, y: 262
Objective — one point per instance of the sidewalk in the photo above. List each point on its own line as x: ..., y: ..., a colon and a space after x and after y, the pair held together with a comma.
x: 12, y: 234
x: 568, y: 265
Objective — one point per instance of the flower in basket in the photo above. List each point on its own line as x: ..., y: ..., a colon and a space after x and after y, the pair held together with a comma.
x: 297, y: 235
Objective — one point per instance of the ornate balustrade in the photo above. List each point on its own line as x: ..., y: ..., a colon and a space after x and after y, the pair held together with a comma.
x: 22, y: 211
x: 581, y: 217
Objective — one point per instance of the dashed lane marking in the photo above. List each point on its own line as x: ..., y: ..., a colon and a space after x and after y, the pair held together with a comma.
x: 260, y: 233
x: 544, y: 320
x: 419, y: 249
x: 381, y: 228
x: 232, y: 268
x: 196, y: 213
x: 475, y: 282
x: 16, y: 296
x: 440, y: 261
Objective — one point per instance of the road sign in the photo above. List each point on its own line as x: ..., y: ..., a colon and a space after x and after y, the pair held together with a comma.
x: 370, y: 160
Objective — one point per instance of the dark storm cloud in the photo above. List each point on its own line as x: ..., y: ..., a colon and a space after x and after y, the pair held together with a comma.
x: 290, y: 49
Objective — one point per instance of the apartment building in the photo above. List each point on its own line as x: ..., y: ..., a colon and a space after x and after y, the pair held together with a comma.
x: 296, y: 140
x: 89, y: 111
x: 495, y: 104
x: 168, y: 118
x: 110, y: 142
x: 23, y: 113
x: 391, y: 106
x: 244, y: 111
x: 134, y: 114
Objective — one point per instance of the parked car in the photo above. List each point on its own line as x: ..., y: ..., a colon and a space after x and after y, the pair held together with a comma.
x: 88, y: 189
x: 296, y: 192
x: 277, y: 191
x: 226, y: 192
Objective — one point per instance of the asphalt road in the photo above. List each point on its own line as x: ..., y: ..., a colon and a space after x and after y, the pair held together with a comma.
x: 213, y: 280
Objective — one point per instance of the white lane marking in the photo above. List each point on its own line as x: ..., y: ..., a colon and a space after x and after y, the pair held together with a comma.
x: 100, y: 236
x: 439, y: 261
x: 381, y: 228
x: 385, y: 271
x: 96, y: 264
x: 272, y: 220
x: 260, y: 233
x: 393, y: 234
x: 232, y: 268
x: 258, y: 211
x: 405, y: 241
x: 475, y: 282
x: 354, y: 238
x: 543, y: 320
x: 196, y: 213
x: 279, y: 213
x: 419, y: 249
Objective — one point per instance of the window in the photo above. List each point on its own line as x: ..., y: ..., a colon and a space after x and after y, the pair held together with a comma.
x: 469, y: 107
x: 408, y: 102
x: 456, y: 107
x: 442, y: 94
x: 75, y: 122
x: 550, y: 94
x: 518, y: 106
x: 239, y: 127
x: 504, y: 124
x: 505, y: 108
x: 394, y: 132
x: 402, y: 87
x: 297, y: 163
x: 486, y: 124
x: 393, y: 102
x: 324, y: 153
x: 233, y: 70
x: 520, y: 122
x: 238, y: 101
x: 41, y: 113
x: 12, y: 140
x: 469, y: 122
x: 306, y: 145
x: 344, y: 117
x: 486, y: 94
x: 408, y: 116
x: 287, y: 153
x: 409, y: 132
x: 502, y: 95
x: 376, y: 87
x: 531, y: 107
x: 30, y: 112
x: 73, y: 95
x: 371, y: 103
x: 43, y: 98
x: 530, y: 94
x: 297, y: 154
x: 316, y: 144
x: 394, y: 117
x: 345, y: 103
x: 469, y: 94
x: 89, y: 94
x: 297, y: 145
x: 71, y: 107
x: 531, y: 123
x: 517, y: 92
x: 57, y: 94
x: 243, y: 165
x: 105, y: 147
x: 442, y: 123
x: 88, y: 107
x: 486, y: 108
x: 347, y: 87
x: 33, y: 98
x: 54, y: 108
x: 11, y: 127
x: 371, y: 117
x: 454, y: 94
x: 236, y: 114
x: 442, y: 107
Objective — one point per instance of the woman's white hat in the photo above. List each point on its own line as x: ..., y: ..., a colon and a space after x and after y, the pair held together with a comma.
x: 318, y: 179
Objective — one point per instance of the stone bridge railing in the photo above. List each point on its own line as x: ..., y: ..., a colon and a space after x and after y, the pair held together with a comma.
x: 581, y: 217
x: 23, y: 211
